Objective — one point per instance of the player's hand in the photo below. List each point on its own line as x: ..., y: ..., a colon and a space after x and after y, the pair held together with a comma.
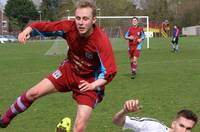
x: 174, y: 39
x: 24, y: 35
x: 132, y: 105
x: 85, y: 86
x: 139, y: 40
x: 131, y: 37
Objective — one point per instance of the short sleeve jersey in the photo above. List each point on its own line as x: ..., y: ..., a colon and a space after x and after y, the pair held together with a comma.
x: 144, y: 124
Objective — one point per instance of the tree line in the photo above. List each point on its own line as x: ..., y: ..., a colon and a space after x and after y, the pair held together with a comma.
x: 181, y: 12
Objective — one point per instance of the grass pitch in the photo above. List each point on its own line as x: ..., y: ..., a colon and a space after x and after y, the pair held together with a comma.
x: 165, y: 83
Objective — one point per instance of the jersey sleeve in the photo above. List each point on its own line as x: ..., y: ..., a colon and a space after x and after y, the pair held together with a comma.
x: 142, y: 34
x: 46, y: 29
x: 144, y: 124
x: 108, y: 68
x: 132, y: 123
x: 126, y: 35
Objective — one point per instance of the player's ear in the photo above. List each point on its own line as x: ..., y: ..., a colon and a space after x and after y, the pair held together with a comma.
x: 94, y: 19
x: 173, y: 124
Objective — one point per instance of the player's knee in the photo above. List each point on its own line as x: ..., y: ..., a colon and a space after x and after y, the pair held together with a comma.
x: 135, y: 61
x: 33, y: 94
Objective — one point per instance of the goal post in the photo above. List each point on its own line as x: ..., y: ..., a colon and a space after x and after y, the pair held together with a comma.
x: 116, y: 26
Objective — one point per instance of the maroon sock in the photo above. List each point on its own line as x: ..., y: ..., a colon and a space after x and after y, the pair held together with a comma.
x: 133, y: 67
x: 19, y: 106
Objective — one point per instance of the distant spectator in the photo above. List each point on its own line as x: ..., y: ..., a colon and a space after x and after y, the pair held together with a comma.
x: 175, y: 38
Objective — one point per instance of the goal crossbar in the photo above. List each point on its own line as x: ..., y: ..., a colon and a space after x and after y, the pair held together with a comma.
x: 123, y: 17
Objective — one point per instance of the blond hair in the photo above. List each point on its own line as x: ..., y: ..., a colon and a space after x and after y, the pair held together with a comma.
x: 84, y: 4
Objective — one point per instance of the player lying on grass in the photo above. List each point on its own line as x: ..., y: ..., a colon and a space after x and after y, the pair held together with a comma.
x: 184, y: 122
x: 90, y: 65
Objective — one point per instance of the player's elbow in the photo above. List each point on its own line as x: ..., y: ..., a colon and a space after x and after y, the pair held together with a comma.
x: 126, y: 37
x: 117, y: 121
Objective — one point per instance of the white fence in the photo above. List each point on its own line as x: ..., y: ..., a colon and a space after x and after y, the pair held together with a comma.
x: 191, y: 31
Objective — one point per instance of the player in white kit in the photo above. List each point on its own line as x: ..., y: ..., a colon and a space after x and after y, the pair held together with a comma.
x: 184, y: 121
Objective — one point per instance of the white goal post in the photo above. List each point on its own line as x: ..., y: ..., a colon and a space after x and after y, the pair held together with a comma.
x: 119, y: 24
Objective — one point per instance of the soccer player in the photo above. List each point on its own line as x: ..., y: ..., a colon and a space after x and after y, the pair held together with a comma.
x: 184, y: 122
x: 89, y: 66
x: 135, y: 35
x: 175, y: 38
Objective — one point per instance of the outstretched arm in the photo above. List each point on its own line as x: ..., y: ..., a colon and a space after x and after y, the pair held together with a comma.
x: 129, y: 106
x: 24, y: 35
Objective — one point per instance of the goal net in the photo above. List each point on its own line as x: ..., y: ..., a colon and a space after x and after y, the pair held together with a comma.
x: 114, y: 26
x: 117, y: 26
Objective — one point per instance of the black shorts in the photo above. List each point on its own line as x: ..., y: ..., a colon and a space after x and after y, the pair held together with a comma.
x: 175, y: 41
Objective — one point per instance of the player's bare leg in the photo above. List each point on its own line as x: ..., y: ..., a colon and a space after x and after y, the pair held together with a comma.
x: 24, y: 101
x: 41, y: 89
x: 82, y: 118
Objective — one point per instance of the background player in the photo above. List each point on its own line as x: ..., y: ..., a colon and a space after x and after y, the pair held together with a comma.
x: 135, y: 35
x: 184, y: 122
x: 175, y: 38
x: 89, y: 66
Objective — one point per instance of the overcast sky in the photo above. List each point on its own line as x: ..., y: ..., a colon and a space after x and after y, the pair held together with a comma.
x: 2, y: 3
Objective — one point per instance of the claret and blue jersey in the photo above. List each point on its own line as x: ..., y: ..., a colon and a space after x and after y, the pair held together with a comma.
x: 136, y: 32
x: 92, y: 56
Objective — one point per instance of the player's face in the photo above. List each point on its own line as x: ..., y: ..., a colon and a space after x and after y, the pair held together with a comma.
x: 84, y: 21
x: 182, y: 125
x: 135, y: 22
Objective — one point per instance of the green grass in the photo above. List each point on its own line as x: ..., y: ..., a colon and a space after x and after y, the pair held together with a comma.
x: 166, y: 82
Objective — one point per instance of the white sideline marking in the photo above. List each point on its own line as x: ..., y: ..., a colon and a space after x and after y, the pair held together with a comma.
x: 57, y: 48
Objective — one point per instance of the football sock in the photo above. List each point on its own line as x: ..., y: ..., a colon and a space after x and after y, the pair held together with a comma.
x: 176, y: 47
x: 172, y: 46
x: 133, y: 68
x: 19, y: 106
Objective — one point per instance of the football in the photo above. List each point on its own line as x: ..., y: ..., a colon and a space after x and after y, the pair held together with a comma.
x: 64, y: 125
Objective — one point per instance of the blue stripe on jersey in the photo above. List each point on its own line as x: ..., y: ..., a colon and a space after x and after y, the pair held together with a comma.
x: 139, y: 46
x: 102, y: 70
x: 126, y: 35
x: 36, y: 32
x: 100, y: 74
x: 142, y: 35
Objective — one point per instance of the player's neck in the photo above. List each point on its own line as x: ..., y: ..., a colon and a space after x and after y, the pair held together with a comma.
x: 88, y: 33
x: 170, y: 130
